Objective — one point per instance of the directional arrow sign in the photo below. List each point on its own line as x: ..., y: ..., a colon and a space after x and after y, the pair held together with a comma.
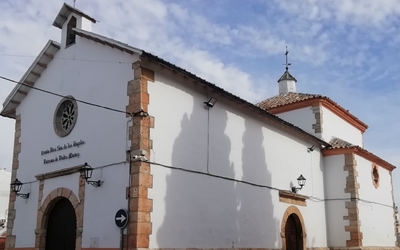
x: 121, y: 218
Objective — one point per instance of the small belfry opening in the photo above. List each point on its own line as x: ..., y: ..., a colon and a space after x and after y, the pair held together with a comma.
x: 71, y: 36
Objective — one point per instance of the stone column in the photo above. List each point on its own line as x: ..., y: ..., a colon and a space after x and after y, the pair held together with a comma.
x: 140, y: 206
x: 10, y: 238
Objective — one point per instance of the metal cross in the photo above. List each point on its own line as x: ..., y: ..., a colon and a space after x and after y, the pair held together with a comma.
x: 287, y: 63
x: 74, y: 2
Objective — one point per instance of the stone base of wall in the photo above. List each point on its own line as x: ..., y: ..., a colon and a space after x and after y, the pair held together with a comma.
x: 308, y: 248
x: 364, y: 248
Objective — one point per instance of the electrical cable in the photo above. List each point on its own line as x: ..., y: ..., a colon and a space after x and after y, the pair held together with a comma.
x: 215, y: 176
x: 312, y: 198
x: 315, y: 199
x: 67, y: 59
x: 59, y: 95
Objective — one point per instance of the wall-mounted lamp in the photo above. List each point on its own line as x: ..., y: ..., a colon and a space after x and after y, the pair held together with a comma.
x: 140, y: 113
x: 302, y: 181
x: 211, y: 102
x: 310, y: 149
x: 86, y: 173
x: 16, y: 188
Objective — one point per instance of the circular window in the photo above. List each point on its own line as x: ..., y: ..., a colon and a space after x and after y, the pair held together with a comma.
x: 65, y: 116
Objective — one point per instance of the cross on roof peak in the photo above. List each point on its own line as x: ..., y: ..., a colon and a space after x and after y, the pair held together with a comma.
x: 287, y: 64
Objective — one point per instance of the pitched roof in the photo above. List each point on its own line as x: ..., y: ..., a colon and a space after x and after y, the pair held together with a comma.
x: 287, y: 76
x: 339, y: 146
x: 293, y: 100
x: 284, y: 99
x: 339, y: 143
x: 64, y: 12
x: 29, y: 78
x: 231, y: 96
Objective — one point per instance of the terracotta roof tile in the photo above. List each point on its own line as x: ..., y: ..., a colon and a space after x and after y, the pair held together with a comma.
x: 291, y: 98
x: 339, y: 143
x: 288, y: 98
x: 341, y: 147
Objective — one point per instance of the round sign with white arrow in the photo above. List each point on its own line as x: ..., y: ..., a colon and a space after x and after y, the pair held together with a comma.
x: 121, y: 218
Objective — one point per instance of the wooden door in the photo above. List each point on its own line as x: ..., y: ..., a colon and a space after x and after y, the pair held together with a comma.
x: 293, y: 234
x: 61, y: 226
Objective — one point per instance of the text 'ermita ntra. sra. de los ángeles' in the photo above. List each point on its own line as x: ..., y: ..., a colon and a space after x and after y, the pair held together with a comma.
x: 74, y: 144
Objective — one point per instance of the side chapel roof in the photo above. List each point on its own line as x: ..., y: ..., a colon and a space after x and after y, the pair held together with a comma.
x: 293, y: 100
x: 339, y: 146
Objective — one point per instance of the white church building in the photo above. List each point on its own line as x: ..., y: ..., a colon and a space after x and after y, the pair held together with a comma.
x: 191, y: 165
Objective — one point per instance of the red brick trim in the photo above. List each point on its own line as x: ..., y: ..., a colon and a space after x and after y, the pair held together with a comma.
x: 140, y: 206
x: 361, y: 152
x: 327, y: 103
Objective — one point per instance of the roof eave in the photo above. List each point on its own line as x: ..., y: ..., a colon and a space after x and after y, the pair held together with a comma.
x: 234, y: 97
x: 64, y: 12
x: 361, y: 152
x: 129, y: 49
x: 33, y: 73
x: 107, y: 41
x: 326, y: 102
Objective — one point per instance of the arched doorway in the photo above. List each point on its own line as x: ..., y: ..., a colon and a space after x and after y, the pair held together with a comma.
x: 293, y: 230
x: 293, y: 233
x: 61, y: 226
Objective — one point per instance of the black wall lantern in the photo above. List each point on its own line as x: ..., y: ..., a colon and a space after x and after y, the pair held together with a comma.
x: 16, y: 188
x: 301, y: 181
x: 86, y: 172
x: 211, y: 102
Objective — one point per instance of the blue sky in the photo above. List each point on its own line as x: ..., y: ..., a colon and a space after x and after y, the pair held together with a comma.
x: 347, y: 50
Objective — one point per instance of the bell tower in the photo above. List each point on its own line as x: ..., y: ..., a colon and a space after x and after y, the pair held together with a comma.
x: 70, y: 18
x: 287, y: 83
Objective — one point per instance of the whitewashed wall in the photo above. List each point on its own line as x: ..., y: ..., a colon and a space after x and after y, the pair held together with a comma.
x: 5, y: 179
x: 94, y: 73
x: 334, y: 126
x: 101, y: 204
x: 200, y: 211
x: 335, y: 183
x: 376, y: 211
x: 303, y: 118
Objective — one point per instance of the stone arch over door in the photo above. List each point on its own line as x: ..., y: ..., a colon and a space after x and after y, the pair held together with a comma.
x: 294, y: 213
x: 45, y: 209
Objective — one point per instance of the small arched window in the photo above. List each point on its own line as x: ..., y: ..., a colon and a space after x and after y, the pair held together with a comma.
x: 375, y: 176
x: 70, y: 33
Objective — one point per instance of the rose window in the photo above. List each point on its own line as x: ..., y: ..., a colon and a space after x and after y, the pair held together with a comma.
x: 65, y: 116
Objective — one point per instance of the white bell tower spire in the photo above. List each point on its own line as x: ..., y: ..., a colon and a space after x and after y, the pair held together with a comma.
x: 287, y: 83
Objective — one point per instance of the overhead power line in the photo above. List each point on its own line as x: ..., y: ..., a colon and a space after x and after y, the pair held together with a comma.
x: 67, y: 59
x: 311, y: 198
x: 315, y: 199
x: 59, y: 95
